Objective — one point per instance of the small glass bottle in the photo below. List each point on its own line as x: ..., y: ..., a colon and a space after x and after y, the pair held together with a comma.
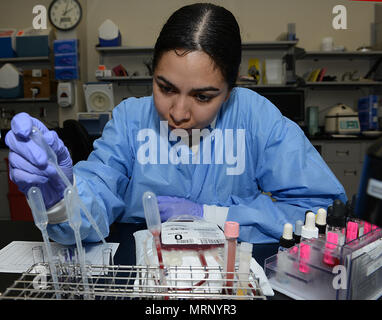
x: 336, y: 221
x: 309, y: 229
x: 286, y: 240
x: 321, y: 223
x: 351, y: 217
x: 297, y: 231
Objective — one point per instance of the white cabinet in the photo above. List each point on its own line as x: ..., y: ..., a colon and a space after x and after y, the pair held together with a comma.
x: 345, y: 158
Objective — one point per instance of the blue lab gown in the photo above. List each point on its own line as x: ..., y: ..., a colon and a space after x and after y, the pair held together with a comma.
x: 278, y: 159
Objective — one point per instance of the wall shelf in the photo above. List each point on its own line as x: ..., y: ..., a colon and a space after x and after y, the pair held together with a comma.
x: 337, y: 84
x: 261, y: 45
x: 269, y: 45
x: 22, y: 100
x: 24, y: 59
x: 147, y: 81
x: 266, y: 86
x: 349, y: 55
x: 125, y: 49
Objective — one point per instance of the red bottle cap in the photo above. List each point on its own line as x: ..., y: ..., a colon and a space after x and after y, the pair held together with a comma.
x: 231, y: 229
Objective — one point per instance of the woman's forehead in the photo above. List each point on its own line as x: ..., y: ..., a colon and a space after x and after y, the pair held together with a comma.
x: 183, y: 64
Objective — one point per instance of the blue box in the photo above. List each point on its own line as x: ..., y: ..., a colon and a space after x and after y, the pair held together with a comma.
x: 33, y: 43
x: 66, y: 73
x: 116, y: 42
x: 368, y: 112
x: 7, y: 40
x: 65, y: 46
x: 66, y: 60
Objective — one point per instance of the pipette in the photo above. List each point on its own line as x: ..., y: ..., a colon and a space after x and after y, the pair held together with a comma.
x: 231, y: 232
x: 37, y: 138
x: 150, y: 206
x: 74, y: 215
x: 40, y: 218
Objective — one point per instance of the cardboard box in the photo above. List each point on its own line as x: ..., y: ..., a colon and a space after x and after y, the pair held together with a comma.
x: 40, y: 79
x: 7, y: 43
x: 33, y: 43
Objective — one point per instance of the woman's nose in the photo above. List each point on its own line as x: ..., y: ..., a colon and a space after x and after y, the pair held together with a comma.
x: 179, y: 111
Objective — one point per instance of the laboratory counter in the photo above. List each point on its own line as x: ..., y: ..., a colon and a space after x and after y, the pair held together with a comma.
x: 121, y: 233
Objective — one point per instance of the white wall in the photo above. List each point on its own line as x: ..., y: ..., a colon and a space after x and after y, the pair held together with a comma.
x: 260, y: 20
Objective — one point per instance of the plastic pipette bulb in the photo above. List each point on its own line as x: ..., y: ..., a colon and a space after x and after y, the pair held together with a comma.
x: 309, y: 230
x: 286, y: 240
x: 150, y: 206
x: 297, y: 231
x: 321, y: 221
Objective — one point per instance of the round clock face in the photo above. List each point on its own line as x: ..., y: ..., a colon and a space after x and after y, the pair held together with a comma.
x: 65, y: 14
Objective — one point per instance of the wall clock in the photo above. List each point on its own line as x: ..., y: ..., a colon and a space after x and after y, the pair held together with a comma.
x: 65, y: 14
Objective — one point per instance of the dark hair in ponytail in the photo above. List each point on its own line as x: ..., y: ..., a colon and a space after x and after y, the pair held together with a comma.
x: 203, y: 27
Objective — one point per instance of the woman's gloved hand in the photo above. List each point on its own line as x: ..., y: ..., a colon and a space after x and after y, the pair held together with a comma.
x: 172, y: 206
x: 28, y: 163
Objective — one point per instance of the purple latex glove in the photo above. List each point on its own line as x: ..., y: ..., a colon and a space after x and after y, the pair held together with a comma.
x: 28, y: 163
x: 172, y: 206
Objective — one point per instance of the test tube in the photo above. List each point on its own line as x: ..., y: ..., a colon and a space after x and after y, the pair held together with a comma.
x: 38, y: 255
x: 245, y: 255
x: 154, y: 225
x: 231, y: 232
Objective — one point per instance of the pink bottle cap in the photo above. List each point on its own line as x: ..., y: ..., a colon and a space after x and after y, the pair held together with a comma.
x: 231, y: 229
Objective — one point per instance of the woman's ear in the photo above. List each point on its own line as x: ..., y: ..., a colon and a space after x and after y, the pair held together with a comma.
x: 230, y: 90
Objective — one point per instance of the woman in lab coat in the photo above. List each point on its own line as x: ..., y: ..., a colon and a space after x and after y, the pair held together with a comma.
x: 202, y: 145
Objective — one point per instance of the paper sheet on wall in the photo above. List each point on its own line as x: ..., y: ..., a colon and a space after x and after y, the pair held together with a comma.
x: 17, y: 257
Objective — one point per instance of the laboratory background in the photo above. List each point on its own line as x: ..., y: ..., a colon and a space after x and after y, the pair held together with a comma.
x: 319, y: 62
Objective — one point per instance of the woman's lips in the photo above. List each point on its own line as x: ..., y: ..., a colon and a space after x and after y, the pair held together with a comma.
x: 172, y: 128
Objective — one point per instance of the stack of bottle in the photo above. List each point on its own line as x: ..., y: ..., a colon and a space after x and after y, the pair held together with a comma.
x: 337, y: 225
x: 317, y: 244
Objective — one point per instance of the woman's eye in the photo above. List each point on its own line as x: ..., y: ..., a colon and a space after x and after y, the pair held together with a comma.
x: 166, y: 89
x: 203, y: 98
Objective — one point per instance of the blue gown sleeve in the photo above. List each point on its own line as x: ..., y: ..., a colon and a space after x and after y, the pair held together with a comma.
x: 289, y: 168
x: 101, y: 181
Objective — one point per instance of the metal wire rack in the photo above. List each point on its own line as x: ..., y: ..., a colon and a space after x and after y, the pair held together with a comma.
x: 117, y: 282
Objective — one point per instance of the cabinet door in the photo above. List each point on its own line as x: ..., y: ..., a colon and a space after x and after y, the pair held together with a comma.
x: 342, y: 152
x: 349, y: 175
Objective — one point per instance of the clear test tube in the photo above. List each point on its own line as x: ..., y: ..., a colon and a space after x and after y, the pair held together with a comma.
x: 38, y: 255
x: 154, y: 225
x: 231, y: 232
x: 245, y: 255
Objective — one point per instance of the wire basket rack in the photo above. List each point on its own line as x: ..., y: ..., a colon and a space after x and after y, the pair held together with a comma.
x: 119, y: 282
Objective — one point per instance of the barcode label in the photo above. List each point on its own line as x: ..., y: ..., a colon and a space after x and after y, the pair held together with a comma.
x: 189, y: 241
x: 191, y: 232
x: 211, y: 241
